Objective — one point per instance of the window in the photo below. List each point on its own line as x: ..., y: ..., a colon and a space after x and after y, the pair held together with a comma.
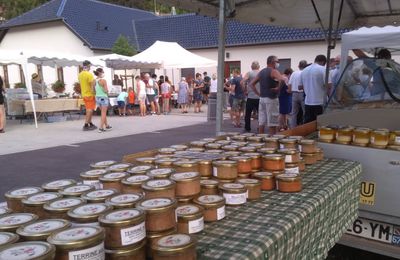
x: 284, y: 64
x: 6, y: 79
x: 21, y: 74
x: 60, y: 74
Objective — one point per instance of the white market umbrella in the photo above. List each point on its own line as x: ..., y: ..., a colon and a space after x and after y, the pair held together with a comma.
x: 121, y: 62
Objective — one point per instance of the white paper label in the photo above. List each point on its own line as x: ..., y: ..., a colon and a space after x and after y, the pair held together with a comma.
x: 294, y: 170
x: 196, y: 225
x: 97, y: 184
x: 397, y: 139
x: 281, y: 146
x: 93, y: 253
x: 372, y: 139
x: 300, y: 148
x: 247, y: 194
x: 288, y: 158
x: 215, y: 171
x: 133, y: 234
x: 221, y: 213
x: 235, y: 199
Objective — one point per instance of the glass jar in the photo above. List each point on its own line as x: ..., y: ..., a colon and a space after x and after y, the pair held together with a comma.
x: 289, y: 182
x: 292, y: 168
x: 133, y: 184
x: 137, y: 252
x: 57, y: 185
x: 272, y: 142
x: 234, y: 193
x: 34, y: 204
x: 179, y: 147
x: 256, y: 161
x: 187, y: 184
x: 28, y: 250
x: 205, y: 168
x: 230, y: 147
x: 92, y: 177
x: 310, y: 158
x: 326, y: 134
x: 165, y: 162
x: 113, y: 180
x: 11, y: 222
x: 267, y: 180
x: 99, y: 196
x: 102, y: 164
x: 88, y: 214
x: 209, y: 187
x: 8, y: 238
x: 320, y: 154
x: 255, y: 139
x: 153, y: 237
x: 77, y: 190
x: 123, y: 227
x: 161, y: 173
x: 307, y: 146
x: 394, y: 137
x: 175, y: 247
x: 344, y: 135
x: 213, y: 205
x: 186, y: 166
x: 247, y: 149
x: 14, y: 197
x: 119, y: 167
x: 145, y: 160
x: 126, y: 200
x: 198, y: 144
x: 288, y: 143
x: 273, y: 162
x: 42, y: 229
x: 140, y: 170
x: 190, y: 219
x: 241, y: 138
x: 213, y: 146
x: 379, y: 138
x: 226, y: 170
x: 302, y: 164
x: 167, y: 150
x: 253, y: 188
x: 243, y: 164
x: 159, y: 188
x: 256, y: 145
x: 58, y: 208
x: 266, y: 150
x: 361, y: 136
x: 160, y: 214
x: 291, y: 155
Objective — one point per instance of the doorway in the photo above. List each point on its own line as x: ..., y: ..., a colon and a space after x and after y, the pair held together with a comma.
x: 230, y: 66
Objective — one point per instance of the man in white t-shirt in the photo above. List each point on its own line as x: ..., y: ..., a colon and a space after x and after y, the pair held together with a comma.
x: 151, y: 94
x: 214, y: 86
x: 312, y: 80
x: 297, y: 95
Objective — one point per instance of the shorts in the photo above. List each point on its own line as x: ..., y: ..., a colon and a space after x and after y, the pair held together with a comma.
x: 102, y: 101
x: 121, y: 104
x: 238, y: 104
x: 230, y: 100
x: 166, y: 95
x: 142, y: 98
x: 90, y: 102
x: 151, y: 97
x: 1, y: 100
x: 130, y: 105
x: 268, y: 112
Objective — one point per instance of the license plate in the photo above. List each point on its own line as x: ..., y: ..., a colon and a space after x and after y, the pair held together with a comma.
x: 375, y: 230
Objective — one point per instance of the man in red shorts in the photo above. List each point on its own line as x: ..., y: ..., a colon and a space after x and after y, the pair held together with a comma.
x: 86, y: 80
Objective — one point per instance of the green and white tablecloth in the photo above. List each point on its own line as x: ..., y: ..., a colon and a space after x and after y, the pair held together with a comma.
x: 302, y: 225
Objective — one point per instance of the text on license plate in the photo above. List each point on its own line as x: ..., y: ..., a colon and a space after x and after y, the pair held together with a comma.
x: 375, y: 230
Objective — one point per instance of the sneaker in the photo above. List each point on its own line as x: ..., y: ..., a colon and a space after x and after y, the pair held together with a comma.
x: 101, y: 130
x: 92, y: 126
x: 86, y: 128
x: 108, y: 128
x: 2, y: 131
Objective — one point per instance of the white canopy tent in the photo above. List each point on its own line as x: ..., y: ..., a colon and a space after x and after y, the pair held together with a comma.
x: 171, y: 55
x: 39, y: 57
x: 120, y: 62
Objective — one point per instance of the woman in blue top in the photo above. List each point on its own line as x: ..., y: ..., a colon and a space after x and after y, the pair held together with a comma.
x: 101, y: 90
x: 285, y: 100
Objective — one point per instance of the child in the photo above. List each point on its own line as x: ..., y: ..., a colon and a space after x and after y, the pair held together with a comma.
x: 121, y: 100
x: 131, y: 101
x: 166, y: 95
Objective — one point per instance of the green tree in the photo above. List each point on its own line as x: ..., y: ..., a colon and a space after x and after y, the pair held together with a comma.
x: 123, y: 47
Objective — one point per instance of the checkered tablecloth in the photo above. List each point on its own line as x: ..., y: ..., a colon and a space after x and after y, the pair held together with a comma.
x: 302, y: 225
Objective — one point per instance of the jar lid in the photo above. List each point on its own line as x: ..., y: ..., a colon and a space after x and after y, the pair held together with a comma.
x: 186, y: 163
x: 160, y: 184
x: 213, y: 145
x: 136, y: 179
x: 167, y: 150
x: 4, y: 210
x: 89, y: 211
x: 119, y: 167
x: 209, y: 183
x: 195, y: 149
x: 288, y: 177
x: 291, y: 164
x: 189, y: 211
x: 157, y: 204
x: 271, y: 139
x: 122, y: 217
x: 22, y: 193
x: 14, y: 220
x: 99, y: 194
x: 345, y: 129
x: 160, y: 173
x: 185, y: 176
x: 232, y: 153
x: 166, y: 161
x: 63, y: 205
x: 209, y: 139
x: 126, y: 251
x: 263, y: 175
x: 40, y: 230
x: 223, y: 142
x: 205, y: 161
x: 307, y: 142
x: 267, y: 150
x: 179, y: 147
x: 239, y: 137
x: 125, y: 199
x: 248, y: 149
x: 288, y: 151
x: 288, y: 141
x: 37, y: 250
x: 210, y: 200
x: 148, y: 160
x: 279, y: 136
x: 225, y: 163
x: 325, y: 128
x: 94, y: 173
x: 308, y: 154
x: 256, y: 145
x: 240, y: 158
x: 233, y: 187
x: 7, y: 238
x: 76, y: 190
x: 114, y: 176
x: 77, y: 237
x: 103, y: 164
x: 41, y: 198
x: 173, y: 244
x: 296, y: 137
x: 253, y: 155
x: 58, y: 184
x: 255, y: 138
x: 381, y: 131
x: 363, y: 130
x: 274, y: 157
x: 249, y: 182
x: 198, y: 143
x: 140, y: 169
x: 230, y: 147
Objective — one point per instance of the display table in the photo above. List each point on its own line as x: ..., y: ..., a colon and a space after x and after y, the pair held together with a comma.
x: 52, y: 105
x: 302, y: 225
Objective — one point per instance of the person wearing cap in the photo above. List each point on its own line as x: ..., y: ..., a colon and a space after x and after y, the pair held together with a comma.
x: 86, y: 80
x: 38, y: 86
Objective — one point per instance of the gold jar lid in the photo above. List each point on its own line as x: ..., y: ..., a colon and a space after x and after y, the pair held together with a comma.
x: 157, y: 205
x: 288, y: 141
x: 42, y: 229
x: 308, y: 154
x: 240, y: 158
x: 210, y: 201
x: 198, y: 144
x: 154, y: 235
x: 196, y: 149
x: 89, y: 212
x: 267, y: 150
x: 37, y: 250
x: 12, y: 221
x: 141, y: 169
x: 288, y: 177
x: 239, y: 138
x: 77, y: 190
x: 8, y: 238
x: 113, y: 177
x: 223, y: 142
x: 209, y: 139
x: 99, y: 195
x: 345, y: 130
x: 257, y: 139
x: 256, y: 145
x: 209, y: 183
x: 126, y: 199
x: 145, y: 160
x: 214, y: 151
x: 173, y: 244
x: 163, y: 156
x: 119, y: 167
x: 63, y: 205
x: 363, y: 130
x: 41, y: 198
x: 189, y: 212
x: 167, y: 150
x: 77, y: 237
x: 22, y: 193
x: 291, y: 164
x: 205, y: 162
x: 239, y: 143
x: 307, y: 142
x: 93, y: 174
x: 165, y: 161
x: 263, y: 175
x: 156, y: 185
x: 296, y: 137
x: 225, y: 163
x: 232, y: 187
x: 230, y: 147
x: 327, y: 128
x: 232, y: 153
x: 179, y: 147
x: 125, y: 252
x: 253, y: 155
x: 288, y: 151
x: 4, y: 210
x: 102, y: 164
x: 274, y: 157
x: 247, y: 149
x: 249, y: 182
x: 186, y: 163
x: 213, y: 146
x: 135, y: 180
x: 279, y: 136
x: 381, y: 132
x: 122, y: 217
x: 162, y: 173
x: 271, y: 140
x: 58, y: 184
x: 185, y: 176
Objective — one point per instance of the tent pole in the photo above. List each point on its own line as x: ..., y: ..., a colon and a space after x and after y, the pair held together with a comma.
x: 221, y: 62
x: 28, y: 85
x: 329, y: 40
